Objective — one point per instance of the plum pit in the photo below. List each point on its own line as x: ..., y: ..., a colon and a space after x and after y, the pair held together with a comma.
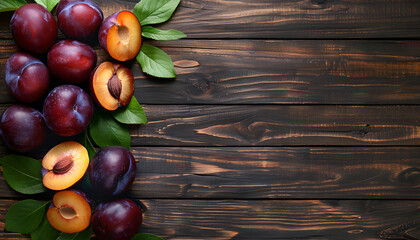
x: 63, y: 166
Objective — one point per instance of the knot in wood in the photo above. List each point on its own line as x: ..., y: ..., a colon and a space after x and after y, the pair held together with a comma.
x: 410, y: 176
x: 318, y: 1
x: 400, y: 231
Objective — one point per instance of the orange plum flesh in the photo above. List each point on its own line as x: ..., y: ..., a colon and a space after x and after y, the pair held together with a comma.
x: 120, y: 35
x: 69, y: 213
x: 65, y: 164
x: 112, y: 85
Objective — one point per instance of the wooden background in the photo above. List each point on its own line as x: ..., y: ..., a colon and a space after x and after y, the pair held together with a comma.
x: 289, y: 119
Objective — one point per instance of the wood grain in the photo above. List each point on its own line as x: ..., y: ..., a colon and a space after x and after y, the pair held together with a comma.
x: 290, y: 19
x: 285, y: 19
x: 276, y: 72
x: 271, y: 125
x: 277, y: 173
x: 291, y: 72
x: 276, y: 125
x: 230, y: 152
x: 272, y: 219
x: 245, y: 173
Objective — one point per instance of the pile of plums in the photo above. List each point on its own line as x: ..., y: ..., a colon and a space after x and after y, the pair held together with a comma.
x: 111, y: 172
x: 68, y: 108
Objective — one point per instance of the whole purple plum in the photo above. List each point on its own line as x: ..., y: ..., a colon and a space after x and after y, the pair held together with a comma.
x: 116, y: 220
x: 67, y: 110
x: 26, y: 77
x: 33, y: 28
x: 79, y: 19
x: 71, y: 61
x: 22, y: 128
x: 112, y: 171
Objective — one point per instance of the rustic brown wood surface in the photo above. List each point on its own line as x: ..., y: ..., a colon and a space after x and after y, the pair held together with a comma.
x: 272, y: 173
x: 267, y: 72
x: 288, y: 120
x: 277, y: 125
x: 273, y: 19
x: 273, y: 219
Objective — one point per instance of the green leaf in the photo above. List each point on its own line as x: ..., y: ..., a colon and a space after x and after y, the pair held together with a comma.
x: 162, y: 35
x: 155, y: 11
x: 25, y: 216
x: 145, y: 236
x: 133, y: 113
x: 106, y: 131
x: 85, y: 141
x: 49, y: 4
x: 84, y: 184
x: 83, y: 235
x: 11, y: 5
x: 155, y: 62
x: 45, y: 231
x: 23, y: 174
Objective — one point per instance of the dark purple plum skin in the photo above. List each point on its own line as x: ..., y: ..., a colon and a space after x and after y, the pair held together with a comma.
x: 22, y: 127
x: 119, y: 220
x: 33, y: 28
x: 26, y: 77
x: 79, y: 19
x: 112, y: 171
x: 82, y: 194
x: 71, y: 61
x: 103, y: 31
x: 67, y: 110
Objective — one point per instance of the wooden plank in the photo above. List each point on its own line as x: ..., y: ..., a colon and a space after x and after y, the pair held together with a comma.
x: 276, y: 19
x: 291, y: 72
x: 276, y: 125
x: 298, y: 19
x: 264, y: 219
x: 272, y: 125
x: 350, y: 173
x: 276, y: 72
x: 262, y: 173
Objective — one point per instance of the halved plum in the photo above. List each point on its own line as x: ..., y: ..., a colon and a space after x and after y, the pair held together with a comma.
x: 112, y: 85
x: 64, y: 165
x: 120, y: 35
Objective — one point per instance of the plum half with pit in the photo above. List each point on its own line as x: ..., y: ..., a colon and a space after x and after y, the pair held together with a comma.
x: 79, y: 19
x: 22, y: 128
x: 33, y: 28
x: 64, y: 165
x: 112, y: 171
x: 117, y: 220
x: 26, y: 77
x: 68, y: 110
x: 112, y: 85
